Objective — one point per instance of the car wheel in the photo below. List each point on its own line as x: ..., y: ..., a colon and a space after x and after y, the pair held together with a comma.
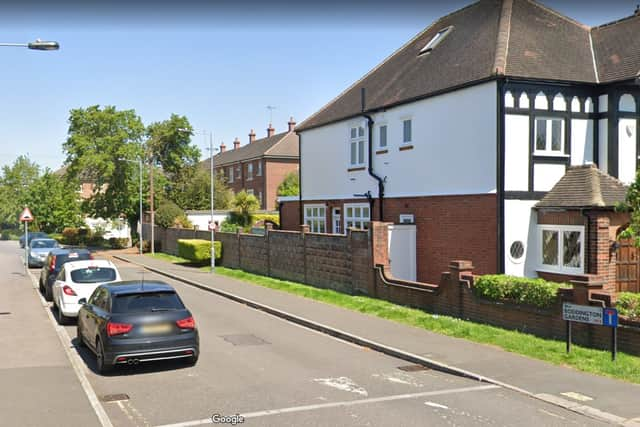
x: 62, y: 319
x: 102, y: 365
x: 48, y: 293
x: 79, y: 339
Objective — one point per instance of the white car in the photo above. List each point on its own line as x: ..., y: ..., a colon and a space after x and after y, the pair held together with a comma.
x: 78, y: 279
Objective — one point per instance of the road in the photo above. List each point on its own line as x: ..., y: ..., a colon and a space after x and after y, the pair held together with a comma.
x: 274, y: 373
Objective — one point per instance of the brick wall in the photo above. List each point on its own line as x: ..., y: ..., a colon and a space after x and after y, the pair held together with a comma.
x: 275, y: 171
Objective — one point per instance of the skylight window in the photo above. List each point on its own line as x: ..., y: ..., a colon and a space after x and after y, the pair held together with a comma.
x: 440, y: 35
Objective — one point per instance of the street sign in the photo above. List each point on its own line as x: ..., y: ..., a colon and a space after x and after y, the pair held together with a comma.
x: 26, y: 216
x: 582, y: 313
x: 211, y: 226
x: 610, y: 317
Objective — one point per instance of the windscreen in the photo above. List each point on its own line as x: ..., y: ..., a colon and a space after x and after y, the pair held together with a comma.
x: 43, y: 244
x: 146, y: 302
x: 93, y: 275
x: 71, y: 256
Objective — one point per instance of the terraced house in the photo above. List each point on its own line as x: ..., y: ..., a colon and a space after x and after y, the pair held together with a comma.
x: 460, y: 137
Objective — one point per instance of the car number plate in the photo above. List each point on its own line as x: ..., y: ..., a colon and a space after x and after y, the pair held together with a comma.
x: 156, y: 329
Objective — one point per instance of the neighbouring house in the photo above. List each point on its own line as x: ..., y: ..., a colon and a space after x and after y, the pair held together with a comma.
x: 458, y: 137
x: 259, y: 166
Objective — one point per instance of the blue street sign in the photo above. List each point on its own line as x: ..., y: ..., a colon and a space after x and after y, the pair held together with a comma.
x: 610, y: 317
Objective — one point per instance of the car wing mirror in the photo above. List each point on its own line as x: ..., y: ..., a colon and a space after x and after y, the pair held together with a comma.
x: 82, y: 301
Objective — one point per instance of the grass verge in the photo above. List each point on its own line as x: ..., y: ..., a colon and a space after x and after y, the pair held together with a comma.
x: 626, y: 367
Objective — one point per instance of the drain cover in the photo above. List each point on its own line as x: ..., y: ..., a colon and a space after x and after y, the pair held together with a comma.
x: 247, y: 339
x: 114, y: 397
x: 413, y: 368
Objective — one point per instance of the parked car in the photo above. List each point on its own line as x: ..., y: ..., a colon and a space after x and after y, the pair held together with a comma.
x: 38, y: 251
x: 137, y: 321
x: 33, y: 235
x: 54, y: 262
x: 78, y: 279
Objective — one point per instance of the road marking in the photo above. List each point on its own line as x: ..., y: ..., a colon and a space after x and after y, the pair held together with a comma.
x: 577, y: 396
x: 340, y: 404
x: 342, y: 383
x: 436, y: 405
x: 77, y: 363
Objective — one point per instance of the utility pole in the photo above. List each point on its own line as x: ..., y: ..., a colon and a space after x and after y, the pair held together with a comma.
x: 151, y: 196
x: 213, y: 250
x: 140, y: 236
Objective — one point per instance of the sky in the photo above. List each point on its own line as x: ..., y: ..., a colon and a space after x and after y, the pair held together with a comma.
x: 219, y: 63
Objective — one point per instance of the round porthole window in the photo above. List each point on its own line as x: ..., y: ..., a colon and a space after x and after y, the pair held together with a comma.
x: 516, y: 251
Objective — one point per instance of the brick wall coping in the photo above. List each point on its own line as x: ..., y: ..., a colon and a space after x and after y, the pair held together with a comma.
x: 407, y: 284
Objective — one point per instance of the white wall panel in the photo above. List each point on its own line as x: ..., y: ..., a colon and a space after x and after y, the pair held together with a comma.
x: 516, y: 135
x: 603, y: 105
x: 520, y: 225
x: 627, y: 155
x: 581, y: 141
x: 545, y: 176
x: 603, y: 145
x: 627, y: 103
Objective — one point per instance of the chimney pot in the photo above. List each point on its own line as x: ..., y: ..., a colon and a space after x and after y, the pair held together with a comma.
x: 292, y: 124
x: 222, y: 147
x: 252, y: 136
x: 236, y: 143
x: 270, y: 131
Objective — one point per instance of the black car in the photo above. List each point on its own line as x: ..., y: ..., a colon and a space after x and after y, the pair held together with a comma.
x: 132, y: 321
x: 33, y: 235
x: 53, y: 264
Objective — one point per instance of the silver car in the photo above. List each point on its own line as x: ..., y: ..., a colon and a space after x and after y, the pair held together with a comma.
x: 38, y: 251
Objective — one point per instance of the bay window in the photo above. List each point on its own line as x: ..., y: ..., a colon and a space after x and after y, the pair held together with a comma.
x: 562, y: 248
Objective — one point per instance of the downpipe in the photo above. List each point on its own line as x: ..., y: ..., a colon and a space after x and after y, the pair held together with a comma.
x: 380, y: 180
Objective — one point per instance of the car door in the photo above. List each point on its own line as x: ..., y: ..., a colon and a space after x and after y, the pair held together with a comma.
x: 90, y: 316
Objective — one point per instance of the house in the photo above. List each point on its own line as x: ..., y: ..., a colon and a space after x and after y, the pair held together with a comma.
x: 259, y: 166
x: 459, y: 135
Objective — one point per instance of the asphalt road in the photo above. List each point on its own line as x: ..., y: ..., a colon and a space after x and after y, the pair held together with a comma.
x: 275, y: 373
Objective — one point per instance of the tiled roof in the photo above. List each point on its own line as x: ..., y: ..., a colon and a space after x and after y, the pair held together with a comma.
x: 518, y: 38
x: 584, y: 187
x: 284, y: 145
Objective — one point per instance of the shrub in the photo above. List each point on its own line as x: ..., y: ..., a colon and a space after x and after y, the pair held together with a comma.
x: 275, y: 218
x: 629, y: 304
x: 167, y: 213
x: 118, y: 243
x: 58, y: 236
x: 181, y: 221
x: 521, y: 290
x: 229, y: 227
x: 5, y: 235
x: 70, y: 236
x: 197, y: 250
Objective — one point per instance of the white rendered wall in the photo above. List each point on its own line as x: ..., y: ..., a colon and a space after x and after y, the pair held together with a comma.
x: 581, y: 141
x: 545, y: 176
x: 520, y: 224
x: 627, y: 155
x: 603, y: 145
x: 454, y: 150
x: 201, y: 220
x: 516, y: 141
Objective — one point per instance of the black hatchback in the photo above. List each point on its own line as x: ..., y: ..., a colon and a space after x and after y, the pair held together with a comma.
x: 132, y: 322
x: 53, y: 264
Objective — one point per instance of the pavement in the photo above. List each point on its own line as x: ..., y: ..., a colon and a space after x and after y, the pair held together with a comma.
x: 601, y: 398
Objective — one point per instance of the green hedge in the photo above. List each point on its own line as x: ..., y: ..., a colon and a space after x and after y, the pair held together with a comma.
x: 629, y: 304
x: 521, y: 290
x: 197, y: 250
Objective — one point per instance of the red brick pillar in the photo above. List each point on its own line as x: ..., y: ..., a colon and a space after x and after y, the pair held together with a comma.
x: 380, y: 243
x: 459, y: 271
x: 601, y: 258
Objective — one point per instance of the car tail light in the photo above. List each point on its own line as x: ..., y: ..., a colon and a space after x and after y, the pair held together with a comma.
x: 90, y: 256
x: 188, y: 323
x: 52, y: 264
x: 118, y: 328
x: 68, y: 291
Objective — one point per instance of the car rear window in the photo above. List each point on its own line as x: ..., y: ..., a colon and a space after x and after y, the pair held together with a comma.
x: 93, y: 275
x: 146, y: 302
x: 71, y: 256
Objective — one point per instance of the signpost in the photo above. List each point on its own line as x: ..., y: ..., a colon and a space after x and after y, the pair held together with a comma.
x: 593, y: 316
x: 26, y: 217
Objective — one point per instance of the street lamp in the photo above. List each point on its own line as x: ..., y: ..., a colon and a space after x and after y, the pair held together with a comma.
x: 211, y: 222
x: 139, y: 162
x: 35, y: 45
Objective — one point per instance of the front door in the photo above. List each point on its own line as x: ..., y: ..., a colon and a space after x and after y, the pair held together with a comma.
x: 336, y: 220
x: 402, y: 251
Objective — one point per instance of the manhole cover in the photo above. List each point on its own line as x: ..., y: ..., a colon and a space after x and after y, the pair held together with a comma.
x: 114, y: 397
x: 247, y: 339
x: 413, y: 368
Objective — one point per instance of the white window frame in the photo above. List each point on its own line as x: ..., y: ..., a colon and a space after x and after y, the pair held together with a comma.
x: 549, y: 135
x: 559, y: 267
x: 249, y: 171
x: 314, y: 216
x: 231, y: 174
x: 410, y: 141
x: 360, y: 222
x: 359, y: 142
x: 386, y: 142
x: 259, y: 171
x: 250, y: 191
x: 435, y: 40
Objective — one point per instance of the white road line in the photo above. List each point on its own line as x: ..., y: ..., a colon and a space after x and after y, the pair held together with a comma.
x: 74, y: 358
x: 340, y: 404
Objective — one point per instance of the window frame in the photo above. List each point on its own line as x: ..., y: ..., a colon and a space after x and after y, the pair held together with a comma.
x: 231, y: 175
x: 259, y: 171
x: 354, y: 219
x: 410, y: 140
x: 249, y: 171
x: 559, y: 267
x: 548, y: 151
x: 436, y: 40
x: 359, y: 142
x: 314, y: 221
x: 386, y: 136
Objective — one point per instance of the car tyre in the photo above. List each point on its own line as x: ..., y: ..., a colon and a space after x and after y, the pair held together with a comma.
x: 102, y: 365
x: 48, y: 296
x: 40, y: 287
x: 62, y: 319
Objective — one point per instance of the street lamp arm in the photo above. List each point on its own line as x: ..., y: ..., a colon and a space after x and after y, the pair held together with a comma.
x: 36, y: 45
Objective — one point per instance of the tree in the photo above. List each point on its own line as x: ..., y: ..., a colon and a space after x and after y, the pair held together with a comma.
x: 15, y: 182
x: 290, y: 186
x: 98, y: 138
x: 245, y: 205
x: 193, y: 190
x: 169, y: 144
x: 632, y: 205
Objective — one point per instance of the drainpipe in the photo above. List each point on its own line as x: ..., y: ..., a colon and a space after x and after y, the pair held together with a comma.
x: 370, y: 123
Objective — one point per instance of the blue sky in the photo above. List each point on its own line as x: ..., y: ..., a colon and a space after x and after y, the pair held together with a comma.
x: 219, y: 66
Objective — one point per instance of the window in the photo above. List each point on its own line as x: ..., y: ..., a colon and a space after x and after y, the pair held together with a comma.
x: 562, y: 248
x: 382, y: 134
x: 249, y: 171
x: 259, y: 173
x: 239, y: 172
x: 260, y: 197
x: 356, y: 146
x: 315, y: 217
x: 406, y: 131
x: 357, y: 216
x: 440, y: 35
x: 250, y: 191
x: 549, y: 136
x: 231, y: 174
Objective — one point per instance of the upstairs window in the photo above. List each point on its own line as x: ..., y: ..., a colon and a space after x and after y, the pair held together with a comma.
x: 250, y: 171
x: 382, y: 134
x: 239, y: 172
x: 406, y: 131
x: 231, y: 174
x: 356, y: 146
x: 440, y: 35
x: 259, y: 172
x: 549, y: 136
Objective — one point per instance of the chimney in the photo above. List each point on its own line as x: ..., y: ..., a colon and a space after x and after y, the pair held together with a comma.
x: 236, y: 143
x: 252, y: 136
x: 292, y: 124
x: 222, y: 147
x: 270, y: 131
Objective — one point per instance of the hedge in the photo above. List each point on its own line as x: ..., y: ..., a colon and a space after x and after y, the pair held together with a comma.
x: 629, y: 304
x: 198, y: 250
x: 520, y: 290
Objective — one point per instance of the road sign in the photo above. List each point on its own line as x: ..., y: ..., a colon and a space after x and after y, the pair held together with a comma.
x: 212, y: 226
x: 582, y: 313
x: 26, y: 216
x: 610, y: 317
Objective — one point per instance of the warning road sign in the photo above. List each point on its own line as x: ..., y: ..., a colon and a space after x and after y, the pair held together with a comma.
x: 26, y: 216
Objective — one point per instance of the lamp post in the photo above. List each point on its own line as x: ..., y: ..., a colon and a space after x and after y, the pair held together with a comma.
x: 211, y: 221
x: 139, y: 162
x: 35, y: 45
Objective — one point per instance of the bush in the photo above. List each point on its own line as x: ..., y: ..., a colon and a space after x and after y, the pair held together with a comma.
x: 70, y: 236
x: 275, y: 218
x: 629, y: 304
x: 197, y: 250
x: 58, y: 236
x: 229, y: 227
x: 521, y: 290
x: 167, y: 213
x: 118, y: 243
x: 181, y: 221
x: 5, y: 235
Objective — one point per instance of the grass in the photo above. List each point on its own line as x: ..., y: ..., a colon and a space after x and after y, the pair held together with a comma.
x: 626, y: 367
